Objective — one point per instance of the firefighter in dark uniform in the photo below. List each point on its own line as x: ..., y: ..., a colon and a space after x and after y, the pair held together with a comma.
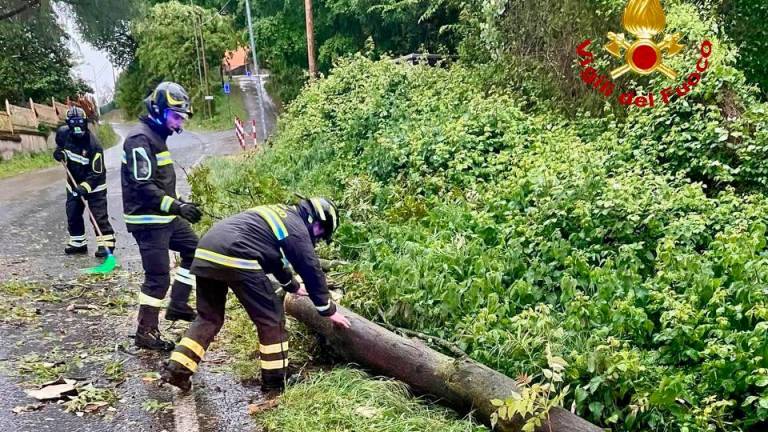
x: 237, y: 253
x: 156, y: 216
x: 84, y: 158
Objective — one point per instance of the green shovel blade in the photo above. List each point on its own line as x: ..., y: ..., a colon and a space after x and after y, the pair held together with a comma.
x: 108, y: 266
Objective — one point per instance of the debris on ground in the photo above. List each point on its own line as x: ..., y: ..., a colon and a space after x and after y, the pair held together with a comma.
x: 27, y: 408
x: 259, y: 407
x: 54, y: 390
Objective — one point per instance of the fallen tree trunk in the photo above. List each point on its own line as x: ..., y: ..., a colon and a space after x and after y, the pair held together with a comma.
x: 462, y: 384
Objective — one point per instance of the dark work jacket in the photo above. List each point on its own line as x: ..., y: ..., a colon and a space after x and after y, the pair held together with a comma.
x: 246, y: 242
x: 148, y: 178
x: 84, y: 158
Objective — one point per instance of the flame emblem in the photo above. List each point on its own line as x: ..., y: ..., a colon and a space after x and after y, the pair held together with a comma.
x: 645, y: 19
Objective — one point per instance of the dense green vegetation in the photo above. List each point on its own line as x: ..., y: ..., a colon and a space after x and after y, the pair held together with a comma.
x: 631, y: 246
x: 341, y: 28
x: 167, y: 52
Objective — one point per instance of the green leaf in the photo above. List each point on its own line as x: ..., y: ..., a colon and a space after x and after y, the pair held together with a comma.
x: 763, y: 402
x: 580, y: 394
x: 596, y: 408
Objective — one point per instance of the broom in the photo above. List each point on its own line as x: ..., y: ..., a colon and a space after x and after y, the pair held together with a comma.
x: 110, y: 262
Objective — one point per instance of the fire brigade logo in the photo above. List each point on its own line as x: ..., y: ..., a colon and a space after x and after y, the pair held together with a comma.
x: 644, y: 19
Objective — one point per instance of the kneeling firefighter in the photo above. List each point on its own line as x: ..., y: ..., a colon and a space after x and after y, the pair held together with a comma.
x: 81, y: 151
x: 156, y: 216
x: 237, y: 253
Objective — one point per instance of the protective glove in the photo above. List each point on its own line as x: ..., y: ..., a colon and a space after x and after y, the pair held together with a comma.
x: 293, y: 287
x: 80, y: 190
x: 190, y: 212
x: 58, y: 154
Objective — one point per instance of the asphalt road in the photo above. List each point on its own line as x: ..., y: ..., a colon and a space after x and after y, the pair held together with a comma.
x: 32, y: 237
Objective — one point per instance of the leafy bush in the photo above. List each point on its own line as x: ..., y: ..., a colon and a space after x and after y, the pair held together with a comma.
x: 508, y: 232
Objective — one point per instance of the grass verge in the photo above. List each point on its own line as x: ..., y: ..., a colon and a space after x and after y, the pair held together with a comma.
x: 225, y: 110
x: 107, y: 135
x: 25, y: 163
x: 351, y: 401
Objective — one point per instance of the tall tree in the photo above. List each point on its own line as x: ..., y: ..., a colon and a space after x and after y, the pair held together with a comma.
x: 106, y: 24
x: 34, y: 63
x: 166, y: 51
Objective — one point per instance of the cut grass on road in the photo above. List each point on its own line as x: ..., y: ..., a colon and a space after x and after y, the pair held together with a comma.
x: 351, y: 401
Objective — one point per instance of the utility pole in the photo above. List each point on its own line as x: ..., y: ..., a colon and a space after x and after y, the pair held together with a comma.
x: 250, y: 34
x: 310, y: 39
x: 197, y: 52
x: 259, y: 85
x: 205, y: 69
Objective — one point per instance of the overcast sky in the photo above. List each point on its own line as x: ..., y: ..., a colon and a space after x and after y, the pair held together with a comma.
x: 92, y: 65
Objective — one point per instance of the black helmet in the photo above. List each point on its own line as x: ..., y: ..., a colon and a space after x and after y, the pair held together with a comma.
x: 323, y: 210
x: 77, y: 121
x: 168, y: 96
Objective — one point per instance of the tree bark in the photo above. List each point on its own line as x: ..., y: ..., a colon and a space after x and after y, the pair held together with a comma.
x: 19, y: 9
x: 461, y: 384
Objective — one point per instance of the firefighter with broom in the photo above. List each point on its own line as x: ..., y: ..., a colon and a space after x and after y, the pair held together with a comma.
x: 156, y: 216
x: 237, y: 253
x: 78, y: 149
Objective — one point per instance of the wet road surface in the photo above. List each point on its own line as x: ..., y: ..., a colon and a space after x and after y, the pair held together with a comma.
x: 258, y: 105
x: 32, y: 237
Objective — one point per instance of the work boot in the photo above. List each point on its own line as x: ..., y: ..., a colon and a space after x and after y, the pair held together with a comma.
x: 72, y: 250
x: 180, y: 311
x: 273, y: 381
x: 152, y: 339
x: 176, y: 376
x: 102, y: 252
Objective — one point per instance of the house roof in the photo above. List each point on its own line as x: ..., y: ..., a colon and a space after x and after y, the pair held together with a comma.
x: 237, y: 58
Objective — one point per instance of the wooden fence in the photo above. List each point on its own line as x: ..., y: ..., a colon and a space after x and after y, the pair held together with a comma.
x: 6, y: 122
x: 46, y: 115
x: 16, y: 119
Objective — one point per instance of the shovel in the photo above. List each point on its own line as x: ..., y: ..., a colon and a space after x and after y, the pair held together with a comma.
x: 110, y: 262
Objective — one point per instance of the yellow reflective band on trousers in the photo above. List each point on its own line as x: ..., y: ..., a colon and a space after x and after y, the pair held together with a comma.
x: 165, y: 204
x: 274, y: 348
x: 107, y: 240
x: 147, y: 219
x: 149, y: 300
x: 192, y: 346
x: 184, y: 361
x: 273, y: 219
x: 227, y: 261
x: 273, y: 364
x: 164, y: 158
